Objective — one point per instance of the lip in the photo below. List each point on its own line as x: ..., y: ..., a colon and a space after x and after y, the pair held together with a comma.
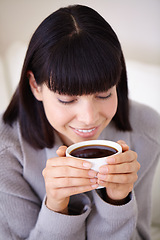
x: 85, y: 132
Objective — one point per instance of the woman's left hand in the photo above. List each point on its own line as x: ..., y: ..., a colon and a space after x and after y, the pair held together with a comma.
x: 120, y: 173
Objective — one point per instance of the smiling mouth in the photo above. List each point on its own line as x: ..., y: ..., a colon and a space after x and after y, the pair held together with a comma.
x: 86, y: 133
x: 85, y: 130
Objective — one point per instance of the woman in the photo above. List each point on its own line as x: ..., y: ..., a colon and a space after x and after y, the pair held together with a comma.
x: 73, y: 87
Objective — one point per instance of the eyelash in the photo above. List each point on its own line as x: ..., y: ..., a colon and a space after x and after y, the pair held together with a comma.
x: 103, y: 98
x: 69, y: 102
x: 65, y: 103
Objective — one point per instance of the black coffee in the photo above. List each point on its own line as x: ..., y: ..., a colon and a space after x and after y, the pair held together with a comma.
x: 93, y: 151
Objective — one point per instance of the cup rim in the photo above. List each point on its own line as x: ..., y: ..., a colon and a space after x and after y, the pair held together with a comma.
x: 108, y: 143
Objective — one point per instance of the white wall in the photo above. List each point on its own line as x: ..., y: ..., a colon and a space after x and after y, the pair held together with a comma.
x: 136, y: 23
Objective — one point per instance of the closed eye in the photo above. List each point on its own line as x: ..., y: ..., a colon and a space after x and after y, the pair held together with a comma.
x: 104, y: 97
x: 65, y: 102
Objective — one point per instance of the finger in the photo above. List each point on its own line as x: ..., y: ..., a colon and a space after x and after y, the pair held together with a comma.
x: 67, y: 171
x: 69, y: 191
x: 61, y: 151
x: 69, y: 161
x: 123, y: 144
x: 120, y: 168
x: 118, y: 178
x: 114, y: 186
x: 127, y: 156
x: 71, y: 182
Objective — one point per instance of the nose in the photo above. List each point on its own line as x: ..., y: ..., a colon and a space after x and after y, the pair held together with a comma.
x: 88, y: 113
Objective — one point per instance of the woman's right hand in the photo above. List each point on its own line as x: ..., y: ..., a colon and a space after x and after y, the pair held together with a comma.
x: 65, y: 177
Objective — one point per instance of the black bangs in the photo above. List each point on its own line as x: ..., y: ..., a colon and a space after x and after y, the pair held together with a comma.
x: 83, y: 65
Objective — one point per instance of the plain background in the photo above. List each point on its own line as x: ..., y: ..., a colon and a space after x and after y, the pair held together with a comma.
x: 137, y: 23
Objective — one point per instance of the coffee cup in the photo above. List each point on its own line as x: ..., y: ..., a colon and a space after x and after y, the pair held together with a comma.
x: 94, y: 151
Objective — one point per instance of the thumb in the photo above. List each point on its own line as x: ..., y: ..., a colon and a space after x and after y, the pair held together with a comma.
x: 61, y: 151
x: 124, y: 146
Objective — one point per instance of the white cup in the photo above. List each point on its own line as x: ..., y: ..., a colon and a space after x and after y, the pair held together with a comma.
x: 96, y: 162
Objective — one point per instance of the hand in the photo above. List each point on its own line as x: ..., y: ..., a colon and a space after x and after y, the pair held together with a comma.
x: 65, y: 177
x: 120, y: 174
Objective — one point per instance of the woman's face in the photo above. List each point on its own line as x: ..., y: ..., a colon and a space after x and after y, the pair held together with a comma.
x: 79, y: 118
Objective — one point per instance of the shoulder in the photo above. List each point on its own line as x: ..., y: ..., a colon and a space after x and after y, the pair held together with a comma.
x: 9, y: 135
x: 145, y: 121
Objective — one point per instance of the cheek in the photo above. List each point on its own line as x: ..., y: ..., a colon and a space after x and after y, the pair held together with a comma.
x: 111, y: 107
x: 114, y: 105
x: 56, y: 115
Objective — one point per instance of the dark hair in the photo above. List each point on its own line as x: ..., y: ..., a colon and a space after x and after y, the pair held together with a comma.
x: 74, y: 51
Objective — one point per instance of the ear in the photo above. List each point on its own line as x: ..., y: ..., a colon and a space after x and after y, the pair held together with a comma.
x: 35, y: 88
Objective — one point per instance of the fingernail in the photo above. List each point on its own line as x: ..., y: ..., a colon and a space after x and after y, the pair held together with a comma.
x: 91, y: 173
x: 124, y: 145
x: 93, y: 180
x: 103, y: 170
x: 101, y: 177
x: 87, y: 165
x: 101, y: 182
x: 110, y: 160
x: 95, y: 186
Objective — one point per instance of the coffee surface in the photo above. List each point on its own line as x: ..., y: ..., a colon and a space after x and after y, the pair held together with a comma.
x: 93, y: 151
